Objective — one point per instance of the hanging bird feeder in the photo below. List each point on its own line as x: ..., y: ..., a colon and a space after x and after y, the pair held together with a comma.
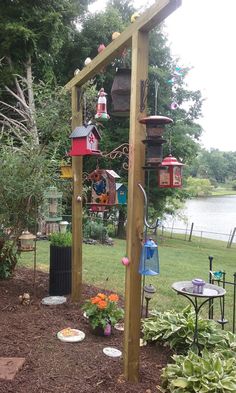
x: 66, y: 172
x: 149, y: 261
x: 52, y: 205
x: 27, y: 240
x: 102, y: 114
x: 170, y: 173
x: 120, y: 92
x: 154, y: 129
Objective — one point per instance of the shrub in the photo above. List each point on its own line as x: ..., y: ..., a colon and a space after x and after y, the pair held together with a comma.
x: 210, y: 372
x: 61, y: 239
x: 95, y: 230
x: 177, y: 330
x: 8, y: 258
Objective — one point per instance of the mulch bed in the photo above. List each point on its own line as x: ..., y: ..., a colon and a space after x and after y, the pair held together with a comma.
x: 52, y: 366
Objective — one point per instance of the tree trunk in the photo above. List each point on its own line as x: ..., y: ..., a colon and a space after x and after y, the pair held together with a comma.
x: 121, y: 224
x: 32, y: 111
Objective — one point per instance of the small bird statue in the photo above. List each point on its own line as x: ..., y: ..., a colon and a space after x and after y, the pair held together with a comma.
x: 24, y: 299
x: 101, y: 48
x: 135, y: 16
x: 87, y: 61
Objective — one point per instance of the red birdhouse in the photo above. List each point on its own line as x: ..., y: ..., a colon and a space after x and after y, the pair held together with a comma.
x: 85, y: 141
x: 170, y: 173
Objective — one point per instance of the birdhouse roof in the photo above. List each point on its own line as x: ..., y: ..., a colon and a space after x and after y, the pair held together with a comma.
x: 112, y: 173
x: 83, y: 131
x: 119, y: 185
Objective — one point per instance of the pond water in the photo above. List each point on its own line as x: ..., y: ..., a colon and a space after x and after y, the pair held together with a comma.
x: 214, y: 216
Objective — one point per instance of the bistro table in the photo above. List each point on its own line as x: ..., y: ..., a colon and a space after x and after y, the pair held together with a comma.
x: 210, y: 291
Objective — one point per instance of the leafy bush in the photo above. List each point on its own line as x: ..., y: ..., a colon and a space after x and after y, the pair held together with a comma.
x: 177, y: 330
x: 210, y: 372
x: 8, y: 258
x: 95, y: 230
x: 61, y: 239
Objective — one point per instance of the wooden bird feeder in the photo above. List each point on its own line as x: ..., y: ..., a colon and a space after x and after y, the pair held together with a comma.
x: 154, y: 130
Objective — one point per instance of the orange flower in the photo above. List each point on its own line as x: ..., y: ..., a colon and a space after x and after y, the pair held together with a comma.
x: 113, y: 297
x: 102, y: 304
x: 102, y: 296
x: 95, y: 300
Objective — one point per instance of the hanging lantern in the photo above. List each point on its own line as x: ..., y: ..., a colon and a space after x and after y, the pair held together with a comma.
x: 154, y: 129
x: 27, y: 241
x: 120, y: 92
x: 102, y: 114
x: 52, y: 205
x: 149, y: 261
x: 170, y: 173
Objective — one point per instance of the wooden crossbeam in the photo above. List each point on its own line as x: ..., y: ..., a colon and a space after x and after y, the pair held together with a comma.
x: 146, y: 22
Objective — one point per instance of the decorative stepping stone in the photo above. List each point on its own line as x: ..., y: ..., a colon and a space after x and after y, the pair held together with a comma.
x: 53, y: 300
x: 112, y: 352
x: 71, y: 335
x: 9, y: 367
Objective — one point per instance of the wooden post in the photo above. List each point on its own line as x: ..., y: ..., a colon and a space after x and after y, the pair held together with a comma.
x: 77, y: 236
x: 135, y: 209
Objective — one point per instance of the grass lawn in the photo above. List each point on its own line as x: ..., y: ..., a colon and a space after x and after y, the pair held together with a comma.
x: 179, y: 261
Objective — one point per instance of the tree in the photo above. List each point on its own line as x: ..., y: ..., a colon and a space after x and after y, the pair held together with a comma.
x: 23, y: 178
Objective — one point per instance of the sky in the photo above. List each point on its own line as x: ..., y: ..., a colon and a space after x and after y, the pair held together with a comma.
x: 202, y: 34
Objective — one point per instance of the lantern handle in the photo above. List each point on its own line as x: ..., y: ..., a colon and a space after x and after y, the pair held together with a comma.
x: 155, y: 226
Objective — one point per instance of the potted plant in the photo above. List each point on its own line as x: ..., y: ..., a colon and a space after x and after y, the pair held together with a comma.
x: 103, y: 312
x: 60, y: 264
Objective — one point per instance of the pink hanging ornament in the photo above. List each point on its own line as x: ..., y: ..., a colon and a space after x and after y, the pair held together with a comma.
x: 125, y: 261
x: 101, y: 48
x: 174, y: 105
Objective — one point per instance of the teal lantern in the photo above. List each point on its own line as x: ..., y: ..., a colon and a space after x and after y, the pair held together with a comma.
x: 149, y: 261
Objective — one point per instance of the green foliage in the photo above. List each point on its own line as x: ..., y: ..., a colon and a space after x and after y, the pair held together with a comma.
x: 176, y: 329
x: 198, y: 187
x: 210, y: 372
x: 103, y: 309
x: 61, y: 239
x: 37, y: 29
x: 216, y: 165
x: 95, y: 230
x: 24, y: 176
x: 8, y: 257
x: 234, y: 185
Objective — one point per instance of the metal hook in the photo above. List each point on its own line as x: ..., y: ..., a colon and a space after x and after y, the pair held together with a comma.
x: 145, y: 210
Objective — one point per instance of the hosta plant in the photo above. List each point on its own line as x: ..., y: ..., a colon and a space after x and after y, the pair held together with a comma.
x: 208, y: 373
x: 176, y: 329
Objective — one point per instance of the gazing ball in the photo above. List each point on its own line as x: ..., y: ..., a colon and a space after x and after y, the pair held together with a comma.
x: 125, y: 261
x: 115, y: 35
x: 87, y: 61
x: 135, y: 16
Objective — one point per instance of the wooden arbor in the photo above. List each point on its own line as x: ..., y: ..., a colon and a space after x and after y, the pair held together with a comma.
x: 136, y: 37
